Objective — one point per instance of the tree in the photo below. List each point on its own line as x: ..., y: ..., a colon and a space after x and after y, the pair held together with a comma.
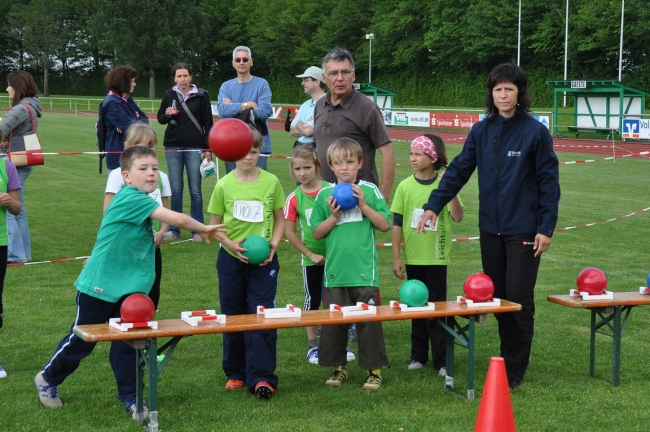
x: 42, y: 29
x: 150, y: 35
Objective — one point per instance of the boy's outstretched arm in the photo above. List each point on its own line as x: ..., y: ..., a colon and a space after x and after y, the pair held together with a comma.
x: 233, y: 246
x: 185, y: 222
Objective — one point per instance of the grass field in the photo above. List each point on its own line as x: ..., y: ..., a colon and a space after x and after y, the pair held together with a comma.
x: 64, y: 201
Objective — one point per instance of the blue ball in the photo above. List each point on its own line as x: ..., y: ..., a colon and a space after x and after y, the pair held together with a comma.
x: 342, y: 193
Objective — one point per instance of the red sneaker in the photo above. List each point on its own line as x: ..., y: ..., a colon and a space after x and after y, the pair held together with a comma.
x: 235, y: 384
x: 264, y: 390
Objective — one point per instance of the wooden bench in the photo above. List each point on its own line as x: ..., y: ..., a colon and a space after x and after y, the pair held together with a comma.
x: 591, y: 129
x: 146, y: 340
x: 612, y: 314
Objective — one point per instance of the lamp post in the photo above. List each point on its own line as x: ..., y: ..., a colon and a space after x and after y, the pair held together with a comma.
x: 370, y: 37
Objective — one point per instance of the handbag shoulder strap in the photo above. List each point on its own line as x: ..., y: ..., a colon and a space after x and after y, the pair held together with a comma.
x: 190, y: 115
x: 31, y: 117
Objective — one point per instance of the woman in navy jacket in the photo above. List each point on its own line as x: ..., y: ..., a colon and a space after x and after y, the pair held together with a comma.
x: 519, y: 193
x: 118, y: 111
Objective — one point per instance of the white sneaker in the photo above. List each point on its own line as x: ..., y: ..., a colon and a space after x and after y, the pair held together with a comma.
x: 442, y: 372
x: 350, y: 355
x: 131, y: 409
x: 3, y: 373
x: 312, y: 355
x: 415, y: 365
x: 48, y: 394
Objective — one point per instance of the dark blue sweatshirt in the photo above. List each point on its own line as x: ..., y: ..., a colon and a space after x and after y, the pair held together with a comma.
x: 518, y: 176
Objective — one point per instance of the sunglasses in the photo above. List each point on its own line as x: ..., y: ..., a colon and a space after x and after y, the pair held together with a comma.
x: 241, y: 59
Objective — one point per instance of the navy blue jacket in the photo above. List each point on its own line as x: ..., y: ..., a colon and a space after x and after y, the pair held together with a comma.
x: 518, y: 176
x: 115, y: 113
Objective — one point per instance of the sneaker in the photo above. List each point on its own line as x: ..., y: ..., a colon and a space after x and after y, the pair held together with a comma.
x: 264, y: 390
x: 312, y: 355
x: 197, y: 238
x: 131, y: 408
x: 373, y: 382
x: 168, y: 235
x: 350, y: 355
x: 352, y: 334
x: 513, y: 384
x: 235, y: 384
x: 172, y: 236
x: 442, y: 371
x: 337, y: 378
x: 48, y: 394
x: 415, y: 365
x: 3, y: 373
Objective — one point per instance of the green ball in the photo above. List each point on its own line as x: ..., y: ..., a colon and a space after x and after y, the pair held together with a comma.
x: 258, y: 249
x: 413, y: 293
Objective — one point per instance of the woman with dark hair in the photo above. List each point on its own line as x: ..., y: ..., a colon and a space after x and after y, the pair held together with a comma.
x: 118, y: 111
x: 186, y: 110
x: 519, y: 193
x: 22, y: 119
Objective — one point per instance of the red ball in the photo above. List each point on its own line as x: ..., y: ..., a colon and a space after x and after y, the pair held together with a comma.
x: 230, y: 139
x: 479, y: 287
x: 592, y: 281
x: 137, y: 308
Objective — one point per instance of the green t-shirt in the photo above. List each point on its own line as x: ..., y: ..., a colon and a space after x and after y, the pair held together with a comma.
x: 352, y: 258
x: 434, y: 247
x: 304, y: 206
x: 122, y: 260
x: 247, y: 208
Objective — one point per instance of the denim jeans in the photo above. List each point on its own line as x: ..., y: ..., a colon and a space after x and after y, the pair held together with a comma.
x: 191, y: 161
x: 20, y: 246
x: 261, y: 163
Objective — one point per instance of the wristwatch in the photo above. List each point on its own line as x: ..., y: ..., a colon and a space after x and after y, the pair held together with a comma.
x: 245, y: 105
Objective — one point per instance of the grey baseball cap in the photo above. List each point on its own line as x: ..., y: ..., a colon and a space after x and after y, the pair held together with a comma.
x: 312, y: 72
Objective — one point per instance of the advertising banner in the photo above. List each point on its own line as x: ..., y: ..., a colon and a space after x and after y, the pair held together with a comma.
x: 636, y: 129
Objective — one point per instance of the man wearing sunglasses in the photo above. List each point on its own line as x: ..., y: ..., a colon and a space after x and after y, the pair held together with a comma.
x: 246, y: 92
x: 344, y: 112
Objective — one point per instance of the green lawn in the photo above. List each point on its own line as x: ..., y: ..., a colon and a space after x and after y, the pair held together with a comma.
x: 64, y: 201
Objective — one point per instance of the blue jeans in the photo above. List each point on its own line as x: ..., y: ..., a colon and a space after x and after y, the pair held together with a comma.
x: 191, y: 160
x: 261, y: 163
x: 20, y: 246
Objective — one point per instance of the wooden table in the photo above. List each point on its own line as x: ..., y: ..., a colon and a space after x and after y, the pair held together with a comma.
x: 612, y: 314
x: 146, y: 344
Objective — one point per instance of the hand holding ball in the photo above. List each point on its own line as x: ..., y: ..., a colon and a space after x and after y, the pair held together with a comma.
x: 258, y: 249
x: 137, y: 308
x: 413, y: 293
x: 479, y: 287
x: 230, y: 139
x: 343, y: 194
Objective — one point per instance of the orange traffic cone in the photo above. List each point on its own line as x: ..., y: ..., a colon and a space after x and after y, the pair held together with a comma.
x: 495, y: 411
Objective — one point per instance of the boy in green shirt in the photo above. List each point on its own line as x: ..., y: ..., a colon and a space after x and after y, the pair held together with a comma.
x: 121, y: 264
x: 352, y: 265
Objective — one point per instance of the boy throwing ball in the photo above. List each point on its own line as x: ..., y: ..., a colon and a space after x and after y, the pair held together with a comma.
x: 121, y: 264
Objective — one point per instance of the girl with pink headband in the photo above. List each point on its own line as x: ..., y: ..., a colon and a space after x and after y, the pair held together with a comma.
x: 425, y: 257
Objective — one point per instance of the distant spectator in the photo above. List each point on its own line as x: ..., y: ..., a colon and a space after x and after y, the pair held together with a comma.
x: 18, y: 121
x: 247, y: 92
x: 186, y: 110
x: 118, y: 111
x: 302, y: 125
